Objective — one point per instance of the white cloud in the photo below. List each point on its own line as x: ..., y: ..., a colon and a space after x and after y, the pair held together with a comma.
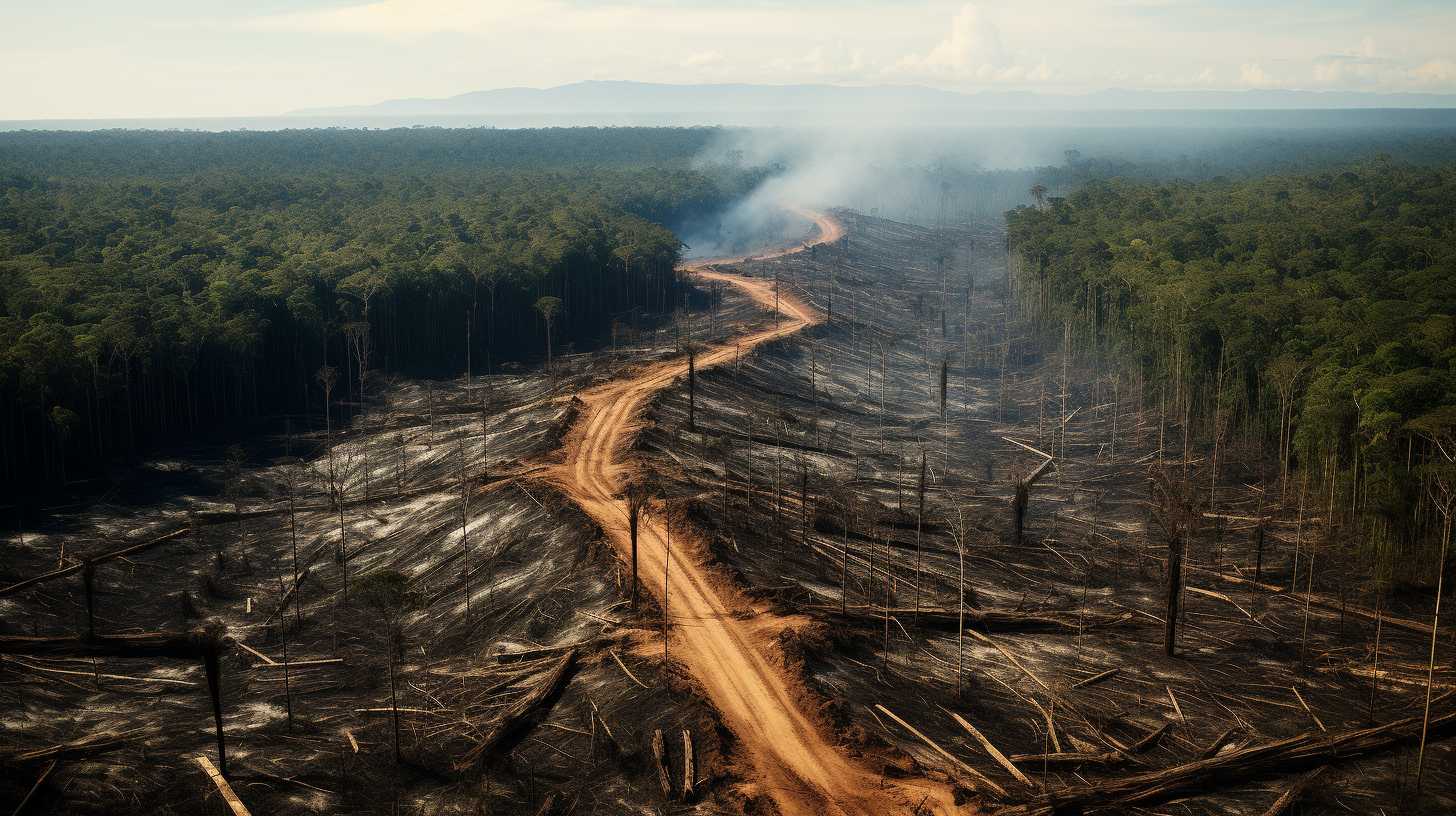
x: 972, y: 51
x: 228, y: 59
x: 1253, y: 75
x: 702, y: 59
x: 973, y: 44
x: 1436, y: 72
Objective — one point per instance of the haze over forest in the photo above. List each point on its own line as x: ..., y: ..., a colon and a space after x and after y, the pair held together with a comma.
x: 558, y: 407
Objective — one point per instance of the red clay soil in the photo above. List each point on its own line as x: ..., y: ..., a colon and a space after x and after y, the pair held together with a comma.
x: 725, y: 643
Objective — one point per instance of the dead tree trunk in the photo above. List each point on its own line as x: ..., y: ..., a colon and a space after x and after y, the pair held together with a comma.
x: 1258, y: 551
x: 1020, y: 499
x: 919, y: 529
x: 692, y: 387
x: 213, y: 668
x: 1255, y: 761
x: 659, y: 757
x: 88, y: 578
x: 634, y: 513
x: 689, y: 773
x: 1175, y: 591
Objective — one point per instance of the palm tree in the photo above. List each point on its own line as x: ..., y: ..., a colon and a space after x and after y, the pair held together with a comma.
x: 548, y: 307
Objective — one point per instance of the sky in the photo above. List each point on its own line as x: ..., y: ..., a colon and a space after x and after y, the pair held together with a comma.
x: 172, y: 58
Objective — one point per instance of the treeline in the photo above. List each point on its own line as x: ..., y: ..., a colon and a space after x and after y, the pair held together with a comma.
x: 1311, y: 316
x: 139, y: 309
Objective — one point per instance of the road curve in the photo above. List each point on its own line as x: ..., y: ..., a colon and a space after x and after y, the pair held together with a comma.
x: 722, y: 641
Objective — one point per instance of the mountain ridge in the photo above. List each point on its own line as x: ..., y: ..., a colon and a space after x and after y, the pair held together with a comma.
x: 629, y: 97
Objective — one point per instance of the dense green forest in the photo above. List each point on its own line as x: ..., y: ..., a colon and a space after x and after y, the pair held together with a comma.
x: 157, y: 284
x: 1311, y: 317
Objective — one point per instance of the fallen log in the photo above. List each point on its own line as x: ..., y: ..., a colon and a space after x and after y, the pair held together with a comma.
x: 1251, y: 762
x: 88, y: 745
x: 1108, y: 758
x: 300, y: 664
x: 521, y: 715
x: 976, y: 777
x: 147, y: 644
x: 1064, y: 620
x: 1316, y: 600
x: 233, y: 802
x: 549, y: 651
x: 991, y: 749
x: 106, y: 556
x: 1096, y: 678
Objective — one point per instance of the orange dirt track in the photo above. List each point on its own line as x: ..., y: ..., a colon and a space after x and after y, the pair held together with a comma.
x: 724, y: 642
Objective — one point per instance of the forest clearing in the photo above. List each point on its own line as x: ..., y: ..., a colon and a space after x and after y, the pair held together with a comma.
x: 823, y: 486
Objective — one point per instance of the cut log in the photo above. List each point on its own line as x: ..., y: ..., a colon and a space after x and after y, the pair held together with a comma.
x: 300, y: 664
x: 1096, y: 678
x: 147, y: 644
x: 689, y: 772
x: 1244, y: 764
x: 1316, y: 600
x: 991, y: 620
x: 88, y: 745
x: 524, y: 713
x: 978, y: 779
x: 659, y: 757
x: 1070, y: 758
x: 223, y: 788
x: 551, y: 651
x: 991, y: 749
x: 254, y: 652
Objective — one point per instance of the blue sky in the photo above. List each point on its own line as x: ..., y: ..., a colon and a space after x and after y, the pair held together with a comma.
x: 66, y: 58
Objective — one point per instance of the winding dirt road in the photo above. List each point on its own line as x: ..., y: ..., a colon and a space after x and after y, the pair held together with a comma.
x: 723, y: 641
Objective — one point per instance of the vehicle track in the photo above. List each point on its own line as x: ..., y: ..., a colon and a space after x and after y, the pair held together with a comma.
x: 724, y: 642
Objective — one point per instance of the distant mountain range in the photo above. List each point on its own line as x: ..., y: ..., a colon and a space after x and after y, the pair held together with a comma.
x: 733, y: 102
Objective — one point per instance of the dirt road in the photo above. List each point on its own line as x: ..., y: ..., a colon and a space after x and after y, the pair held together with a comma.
x: 725, y: 643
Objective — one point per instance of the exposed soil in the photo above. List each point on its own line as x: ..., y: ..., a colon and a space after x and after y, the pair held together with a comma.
x: 723, y: 640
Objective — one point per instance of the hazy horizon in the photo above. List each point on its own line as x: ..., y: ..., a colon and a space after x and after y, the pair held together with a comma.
x: 174, y: 60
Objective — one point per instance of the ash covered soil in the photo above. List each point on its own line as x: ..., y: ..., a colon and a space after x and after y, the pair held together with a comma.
x: 474, y: 617
x: 802, y: 469
x: 801, y: 472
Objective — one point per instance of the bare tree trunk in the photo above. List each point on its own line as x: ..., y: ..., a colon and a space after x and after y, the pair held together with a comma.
x: 1175, y: 591
x: 634, y: 512
x: 1435, y: 626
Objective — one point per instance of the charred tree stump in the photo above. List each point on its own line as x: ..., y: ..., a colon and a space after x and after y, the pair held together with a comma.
x: 1020, y: 499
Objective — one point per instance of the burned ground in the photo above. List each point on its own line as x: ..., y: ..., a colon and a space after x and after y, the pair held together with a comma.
x: 529, y: 574
x: 804, y: 466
